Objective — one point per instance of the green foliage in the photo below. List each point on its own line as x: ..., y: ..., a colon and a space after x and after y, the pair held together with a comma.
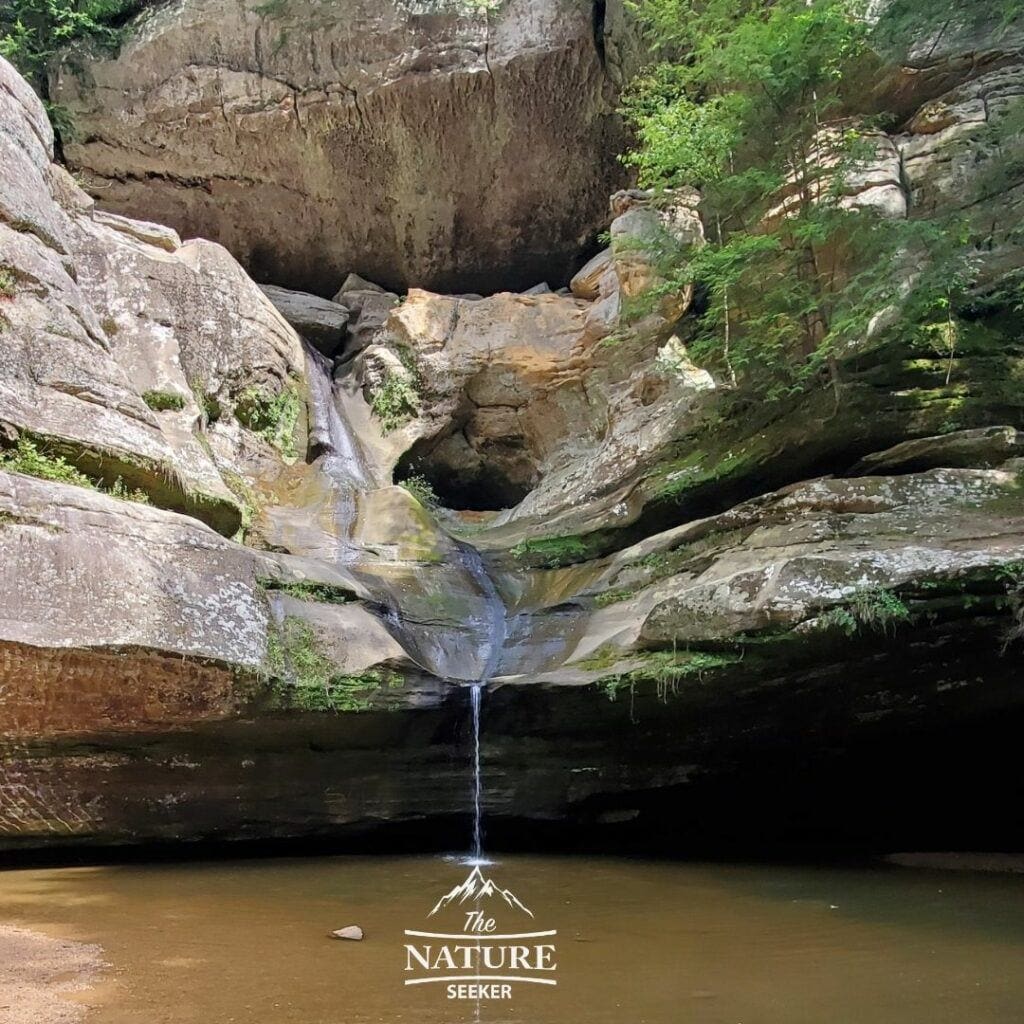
x: 8, y: 283
x: 208, y: 404
x: 271, y: 415
x: 306, y: 679
x: 310, y: 590
x: 608, y: 597
x: 667, y: 670
x: 874, y: 609
x: 421, y: 489
x: 28, y: 459
x: 159, y: 401
x: 32, y: 31
x: 552, y: 552
x: 119, y: 489
x: 248, y: 499
x: 271, y: 9
x: 745, y: 106
x: 395, y: 398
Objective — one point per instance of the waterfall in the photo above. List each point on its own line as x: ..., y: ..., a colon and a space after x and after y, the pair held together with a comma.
x: 493, y: 626
x: 344, y: 464
x: 344, y: 460
x: 476, y: 696
x: 494, y: 631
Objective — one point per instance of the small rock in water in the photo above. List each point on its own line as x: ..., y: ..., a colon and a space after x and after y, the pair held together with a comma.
x: 350, y: 931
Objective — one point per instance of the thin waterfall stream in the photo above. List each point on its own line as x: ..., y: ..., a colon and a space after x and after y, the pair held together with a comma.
x: 476, y: 698
x: 495, y: 629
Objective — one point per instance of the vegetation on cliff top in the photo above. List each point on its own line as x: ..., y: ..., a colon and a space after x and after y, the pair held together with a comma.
x: 755, y: 104
x: 33, y: 31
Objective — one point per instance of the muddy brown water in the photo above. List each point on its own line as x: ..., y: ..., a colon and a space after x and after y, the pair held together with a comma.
x: 637, y: 942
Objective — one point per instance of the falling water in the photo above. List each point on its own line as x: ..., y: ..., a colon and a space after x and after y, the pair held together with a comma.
x: 493, y: 642
x: 345, y: 464
x: 476, y: 695
x: 492, y: 624
x: 342, y: 459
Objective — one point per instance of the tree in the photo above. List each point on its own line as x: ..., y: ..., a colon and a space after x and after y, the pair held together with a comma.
x: 33, y: 31
x: 748, y: 104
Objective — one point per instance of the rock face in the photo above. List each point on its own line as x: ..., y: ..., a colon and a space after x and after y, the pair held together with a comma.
x: 665, y: 588
x: 524, y: 400
x: 438, y: 145
x: 109, y: 328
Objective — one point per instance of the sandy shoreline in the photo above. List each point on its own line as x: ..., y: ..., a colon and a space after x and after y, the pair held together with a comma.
x: 38, y: 974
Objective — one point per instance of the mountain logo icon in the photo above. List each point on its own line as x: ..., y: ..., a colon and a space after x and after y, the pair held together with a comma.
x: 475, y: 888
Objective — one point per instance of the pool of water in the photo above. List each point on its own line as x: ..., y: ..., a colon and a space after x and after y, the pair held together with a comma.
x: 637, y: 942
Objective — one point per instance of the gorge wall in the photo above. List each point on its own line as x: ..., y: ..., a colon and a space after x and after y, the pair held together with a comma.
x: 440, y: 145
x: 223, y: 615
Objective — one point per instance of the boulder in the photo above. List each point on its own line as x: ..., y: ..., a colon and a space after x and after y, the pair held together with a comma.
x: 66, y: 377
x: 371, y: 309
x: 125, y: 351
x: 321, y: 322
x: 355, y: 283
x: 983, y: 446
x: 584, y: 284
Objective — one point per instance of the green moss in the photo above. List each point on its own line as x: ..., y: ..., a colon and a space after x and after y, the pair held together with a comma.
x: 305, y: 679
x: 310, y: 590
x: 604, y: 657
x: 271, y: 9
x: 1008, y: 503
x: 159, y: 401
x: 208, y: 404
x: 553, y: 552
x: 615, y: 596
x: 697, y: 470
x: 666, y: 669
x: 272, y: 416
x: 248, y: 500
x: 8, y: 283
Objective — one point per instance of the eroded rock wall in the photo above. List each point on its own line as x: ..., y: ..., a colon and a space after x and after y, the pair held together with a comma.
x: 440, y: 145
x: 665, y: 591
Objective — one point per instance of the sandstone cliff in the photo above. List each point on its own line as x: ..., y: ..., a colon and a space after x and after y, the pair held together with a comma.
x: 222, y: 618
x: 431, y: 144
